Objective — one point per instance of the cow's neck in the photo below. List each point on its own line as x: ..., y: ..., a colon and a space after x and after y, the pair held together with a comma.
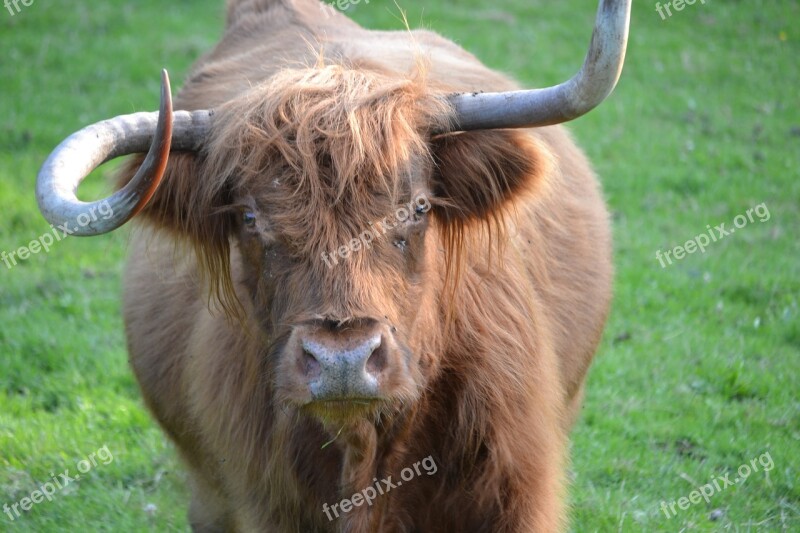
x: 370, y: 453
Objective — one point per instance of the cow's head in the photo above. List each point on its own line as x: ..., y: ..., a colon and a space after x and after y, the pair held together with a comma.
x: 329, y: 205
x: 339, y: 197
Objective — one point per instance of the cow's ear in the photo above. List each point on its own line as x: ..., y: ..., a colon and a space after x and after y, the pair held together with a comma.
x: 185, y: 202
x: 194, y: 210
x: 477, y: 172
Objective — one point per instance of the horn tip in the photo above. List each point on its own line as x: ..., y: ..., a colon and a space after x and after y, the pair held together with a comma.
x: 166, y: 92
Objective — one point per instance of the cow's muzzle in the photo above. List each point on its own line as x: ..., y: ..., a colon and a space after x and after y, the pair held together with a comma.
x: 358, y: 361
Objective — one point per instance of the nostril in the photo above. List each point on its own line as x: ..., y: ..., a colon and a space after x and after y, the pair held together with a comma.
x: 377, y: 360
x: 309, y: 364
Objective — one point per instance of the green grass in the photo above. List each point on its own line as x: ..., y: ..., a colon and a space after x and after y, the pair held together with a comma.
x: 698, y: 370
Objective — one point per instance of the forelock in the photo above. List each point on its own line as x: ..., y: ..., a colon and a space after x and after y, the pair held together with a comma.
x: 330, y: 146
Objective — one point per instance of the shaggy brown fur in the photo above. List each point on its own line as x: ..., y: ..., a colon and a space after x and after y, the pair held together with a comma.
x: 497, y: 297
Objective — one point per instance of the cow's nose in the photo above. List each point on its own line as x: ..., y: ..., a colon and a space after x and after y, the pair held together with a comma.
x: 336, y: 368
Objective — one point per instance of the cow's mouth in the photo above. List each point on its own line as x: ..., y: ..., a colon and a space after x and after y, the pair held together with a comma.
x: 345, y: 409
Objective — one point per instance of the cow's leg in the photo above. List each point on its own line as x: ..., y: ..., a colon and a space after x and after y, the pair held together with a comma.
x: 208, y: 512
x: 573, y: 411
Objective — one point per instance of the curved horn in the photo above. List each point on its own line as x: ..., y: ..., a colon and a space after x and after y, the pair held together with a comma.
x: 564, y: 102
x: 83, y: 151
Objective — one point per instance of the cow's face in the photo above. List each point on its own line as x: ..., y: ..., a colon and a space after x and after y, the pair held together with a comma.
x: 344, y: 290
x: 344, y: 212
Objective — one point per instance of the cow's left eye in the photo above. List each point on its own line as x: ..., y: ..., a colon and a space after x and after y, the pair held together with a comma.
x: 249, y: 218
x: 400, y: 243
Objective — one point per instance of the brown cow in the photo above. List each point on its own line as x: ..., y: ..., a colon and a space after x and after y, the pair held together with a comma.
x: 350, y: 271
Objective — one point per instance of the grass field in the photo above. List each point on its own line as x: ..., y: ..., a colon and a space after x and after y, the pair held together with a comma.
x: 698, y: 373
